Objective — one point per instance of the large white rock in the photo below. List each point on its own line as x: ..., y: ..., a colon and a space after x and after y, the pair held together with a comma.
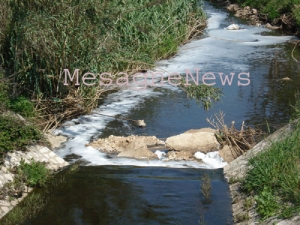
x: 193, y: 142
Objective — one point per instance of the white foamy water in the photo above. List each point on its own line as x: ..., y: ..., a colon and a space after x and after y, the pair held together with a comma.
x: 218, y: 47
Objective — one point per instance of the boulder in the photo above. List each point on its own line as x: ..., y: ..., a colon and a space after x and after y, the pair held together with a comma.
x: 227, y: 154
x: 193, y: 142
x: 138, y: 150
x: 116, y: 144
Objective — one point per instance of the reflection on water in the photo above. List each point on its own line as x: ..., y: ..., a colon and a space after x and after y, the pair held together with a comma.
x: 136, y: 195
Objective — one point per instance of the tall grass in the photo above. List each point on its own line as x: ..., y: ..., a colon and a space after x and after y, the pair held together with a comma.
x: 45, y: 37
x: 274, y: 177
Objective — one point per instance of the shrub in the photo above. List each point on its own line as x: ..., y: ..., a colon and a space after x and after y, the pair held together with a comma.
x: 16, y: 134
x: 3, y: 93
x: 35, y: 173
x: 22, y: 106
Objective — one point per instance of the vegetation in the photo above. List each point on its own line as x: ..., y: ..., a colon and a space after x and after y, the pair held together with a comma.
x: 16, y: 134
x: 275, y: 8
x: 41, y: 39
x: 33, y: 174
x: 203, y: 94
x: 274, y: 177
x: 239, y: 140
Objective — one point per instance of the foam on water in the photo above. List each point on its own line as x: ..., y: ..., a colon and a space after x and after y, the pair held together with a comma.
x: 218, y: 47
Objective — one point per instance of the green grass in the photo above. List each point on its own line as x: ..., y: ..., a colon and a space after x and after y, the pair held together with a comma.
x: 274, y: 178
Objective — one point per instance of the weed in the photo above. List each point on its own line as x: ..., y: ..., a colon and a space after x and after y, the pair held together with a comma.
x: 22, y: 106
x: 203, y: 94
x: 241, y: 217
x: 248, y: 203
x: 16, y: 134
x: 3, y: 93
x: 35, y: 173
x: 267, y: 205
x: 274, y: 176
x: 234, y: 180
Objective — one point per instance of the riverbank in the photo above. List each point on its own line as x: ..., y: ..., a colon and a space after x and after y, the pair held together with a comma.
x: 276, y: 15
x: 113, y: 37
x: 247, y: 206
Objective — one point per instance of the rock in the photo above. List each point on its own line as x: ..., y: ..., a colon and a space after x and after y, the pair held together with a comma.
x: 116, y: 144
x: 54, y: 140
x: 140, y: 123
x: 232, y: 7
x: 254, y: 11
x: 247, y: 8
x: 272, y: 27
x: 227, y: 154
x: 138, y: 150
x: 193, y: 142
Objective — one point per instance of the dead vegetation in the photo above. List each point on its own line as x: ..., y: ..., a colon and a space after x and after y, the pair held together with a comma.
x: 240, y: 140
x: 54, y: 111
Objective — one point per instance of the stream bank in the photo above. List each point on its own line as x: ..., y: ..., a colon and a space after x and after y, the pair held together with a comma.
x: 243, y: 205
x: 286, y: 19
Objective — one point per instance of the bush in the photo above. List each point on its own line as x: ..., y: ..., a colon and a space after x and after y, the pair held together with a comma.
x: 3, y: 93
x: 22, y: 106
x: 34, y: 173
x: 16, y: 134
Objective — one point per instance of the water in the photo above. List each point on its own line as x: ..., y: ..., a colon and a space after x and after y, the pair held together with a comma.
x: 109, y: 191
x: 137, y: 195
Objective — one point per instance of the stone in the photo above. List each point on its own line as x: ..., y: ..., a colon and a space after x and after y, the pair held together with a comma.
x: 232, y: 7
x: 193, y: 142
x: 137, y: 150
x: 116, y: 144
x: 227, y: 154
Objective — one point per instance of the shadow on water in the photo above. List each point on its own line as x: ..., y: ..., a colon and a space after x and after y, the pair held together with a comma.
x: 136, y: 195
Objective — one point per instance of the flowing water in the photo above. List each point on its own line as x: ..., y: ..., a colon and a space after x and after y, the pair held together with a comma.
x: 109, y: 190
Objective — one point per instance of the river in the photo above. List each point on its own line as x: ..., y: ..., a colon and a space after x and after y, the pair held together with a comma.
x: 109, y: 190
